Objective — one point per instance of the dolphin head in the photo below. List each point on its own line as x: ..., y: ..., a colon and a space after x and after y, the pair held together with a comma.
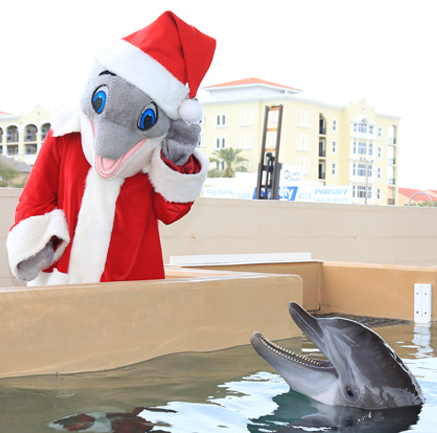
x: 121, y: 125
x: 361, y: 370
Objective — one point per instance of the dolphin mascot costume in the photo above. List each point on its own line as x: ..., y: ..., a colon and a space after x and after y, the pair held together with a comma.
x: 108, y: 172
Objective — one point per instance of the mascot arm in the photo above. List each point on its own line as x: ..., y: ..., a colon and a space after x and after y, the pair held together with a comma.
x: 40, y: 233
x: 177, y: 186
x: 181, y: 141
x: 171, y: 211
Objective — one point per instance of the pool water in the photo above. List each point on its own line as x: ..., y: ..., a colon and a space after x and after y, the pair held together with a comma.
x: 232, y: 390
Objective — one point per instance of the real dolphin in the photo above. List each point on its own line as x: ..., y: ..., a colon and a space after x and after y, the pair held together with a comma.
x: 361, y: 370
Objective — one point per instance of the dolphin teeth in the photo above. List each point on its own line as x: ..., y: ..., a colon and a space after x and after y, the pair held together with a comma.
x: 275, y: 348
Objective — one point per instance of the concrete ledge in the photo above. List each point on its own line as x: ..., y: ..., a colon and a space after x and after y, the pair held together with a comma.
x: 78, y: 328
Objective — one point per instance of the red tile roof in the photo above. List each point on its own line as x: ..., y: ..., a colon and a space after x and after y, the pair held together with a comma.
x: 421, y: 196
x: 249, y: 81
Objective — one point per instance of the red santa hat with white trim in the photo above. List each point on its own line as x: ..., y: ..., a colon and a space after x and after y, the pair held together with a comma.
x: 167, y: 60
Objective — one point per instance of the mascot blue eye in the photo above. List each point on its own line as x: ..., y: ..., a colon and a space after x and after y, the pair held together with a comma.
x: 99, y: 100
x: 148, y: 117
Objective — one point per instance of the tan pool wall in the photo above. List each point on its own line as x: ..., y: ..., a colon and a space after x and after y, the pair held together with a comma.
x: 353, y: 288
x: 345, y: 233
x: 375, y: 290
x: 90, y: 327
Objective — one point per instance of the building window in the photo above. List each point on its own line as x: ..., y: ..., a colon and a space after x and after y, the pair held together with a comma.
x: 322, y: 150
x: 379, y: 173
x: 44, y: 130
x: 378, y: 193
x: 220, y: 143
x: 30, y: 149
x: 305, y: 163
x: 379, y: 132
x: 334, y: 169
x: 334, y: 147
x: 392, y: 135
x: 322, y: 124
x: 30, y: 133
x: 303, y: 142
x: 361, y: 172
x: 362, y: 127
x: 12, y: 150
x: 370, y: 149
x: 220, y: 120
x: 303, y: 118
x: 245, y: 118
x: 245, y: 141
x: 379, y: 152
x: 362, y: 148
x: 12, y: 134
x: 361, y: 191
x: 334, y: 126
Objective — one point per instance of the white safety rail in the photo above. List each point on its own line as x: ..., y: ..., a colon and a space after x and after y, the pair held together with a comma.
x: 238, y: 259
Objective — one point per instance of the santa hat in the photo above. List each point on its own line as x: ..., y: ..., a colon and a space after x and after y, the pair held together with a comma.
x: 167, y: 60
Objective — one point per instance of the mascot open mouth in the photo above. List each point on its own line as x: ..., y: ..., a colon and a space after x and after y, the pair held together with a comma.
x: 107, y: 168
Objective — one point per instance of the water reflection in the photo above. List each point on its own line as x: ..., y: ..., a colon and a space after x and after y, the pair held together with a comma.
x: 239, y: 411
x: 294, y: 414
x: 422, y: 341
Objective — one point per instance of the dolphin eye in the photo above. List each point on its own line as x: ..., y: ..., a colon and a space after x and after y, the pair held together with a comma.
x: 148, y: 117
x: 99, y: 100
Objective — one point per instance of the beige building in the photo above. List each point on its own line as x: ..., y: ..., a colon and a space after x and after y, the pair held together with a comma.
x: 21, y: 136
x: 352, y: 146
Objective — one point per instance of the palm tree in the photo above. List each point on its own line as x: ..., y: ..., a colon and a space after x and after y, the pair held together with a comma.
x: 7, y: 174
x: 230, y: 159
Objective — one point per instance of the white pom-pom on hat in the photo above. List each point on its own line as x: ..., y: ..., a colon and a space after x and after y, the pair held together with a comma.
x: 190, y: 110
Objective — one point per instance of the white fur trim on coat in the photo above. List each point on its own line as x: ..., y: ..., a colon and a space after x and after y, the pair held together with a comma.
x: 49, y: 279
x: 94, y: 228
x: 64, y: 122
x: 143, y: 71
x: 175, y: 186
x: 32, y: 234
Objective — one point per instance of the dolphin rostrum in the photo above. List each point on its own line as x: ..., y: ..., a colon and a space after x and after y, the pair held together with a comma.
x: 361, y: 370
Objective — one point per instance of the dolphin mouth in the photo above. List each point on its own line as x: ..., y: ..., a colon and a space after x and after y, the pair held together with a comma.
x: 258, y: 341
x: 107, y: 168
x: 309, y: 326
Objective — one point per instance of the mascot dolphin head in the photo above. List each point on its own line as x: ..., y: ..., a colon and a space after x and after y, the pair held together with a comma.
x: 139, y: 86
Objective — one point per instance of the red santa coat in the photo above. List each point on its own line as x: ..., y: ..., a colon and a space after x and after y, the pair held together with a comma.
x: 105, y: 229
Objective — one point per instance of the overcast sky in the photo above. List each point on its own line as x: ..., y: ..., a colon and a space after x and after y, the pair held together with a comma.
x: 339, y: 51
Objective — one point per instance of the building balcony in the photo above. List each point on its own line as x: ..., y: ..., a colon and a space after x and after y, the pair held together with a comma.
x: 322, y: 174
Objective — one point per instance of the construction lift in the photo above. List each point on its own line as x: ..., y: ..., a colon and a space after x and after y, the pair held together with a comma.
x: 267, y: 186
